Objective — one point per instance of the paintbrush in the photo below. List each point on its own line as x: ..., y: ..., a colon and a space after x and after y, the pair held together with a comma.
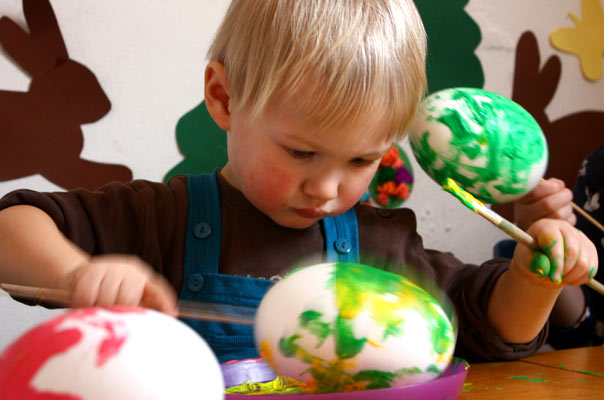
x: 506, y: 226
x: 585, y: 215
x: 185, y: 309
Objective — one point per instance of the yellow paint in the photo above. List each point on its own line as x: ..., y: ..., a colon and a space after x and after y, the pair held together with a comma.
x: 374, y: 343
x: 472, y: 202
x: 267, y: 354
x: 585, y: 39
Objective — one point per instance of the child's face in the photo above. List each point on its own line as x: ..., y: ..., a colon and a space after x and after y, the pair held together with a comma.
x: 297, y: 175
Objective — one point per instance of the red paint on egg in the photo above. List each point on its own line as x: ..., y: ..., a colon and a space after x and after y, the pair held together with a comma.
x: 21, y: 361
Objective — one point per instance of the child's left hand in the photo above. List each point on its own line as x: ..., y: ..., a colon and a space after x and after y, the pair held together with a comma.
x: 549, y: 199
x: 564, y: 255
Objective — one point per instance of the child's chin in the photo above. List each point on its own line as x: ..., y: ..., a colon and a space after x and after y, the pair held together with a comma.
x: 295, y: 222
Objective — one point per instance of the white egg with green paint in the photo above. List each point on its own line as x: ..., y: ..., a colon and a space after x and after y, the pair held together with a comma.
x: 488, y: 144
x: 345, y: 326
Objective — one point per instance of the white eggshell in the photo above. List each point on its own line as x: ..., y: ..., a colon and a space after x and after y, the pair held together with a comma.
x: 310, y: 324
x: 113, y: 353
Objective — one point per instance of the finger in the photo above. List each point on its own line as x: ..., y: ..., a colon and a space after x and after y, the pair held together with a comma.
x: 131, y: 292
x: 539, y: 264
x: 555, y: 204
x: 108, y: 290
x: 86, y: 287
x: 572, y: 253
x: 543, y: 189
x: 159, y: 295
x: 552, y: 245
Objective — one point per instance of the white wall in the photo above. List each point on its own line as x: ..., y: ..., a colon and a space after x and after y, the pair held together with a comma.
x: 149, y: 57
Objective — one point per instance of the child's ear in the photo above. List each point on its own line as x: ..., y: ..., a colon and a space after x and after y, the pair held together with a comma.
x: 217, y: 95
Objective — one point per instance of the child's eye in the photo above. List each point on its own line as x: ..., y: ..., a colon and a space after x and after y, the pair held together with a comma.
x: 360, y: 162
x: 300, y: 153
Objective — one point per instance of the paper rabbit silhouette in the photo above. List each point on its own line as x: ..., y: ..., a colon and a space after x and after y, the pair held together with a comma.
x: 40, y: 129
x: 570, y: 138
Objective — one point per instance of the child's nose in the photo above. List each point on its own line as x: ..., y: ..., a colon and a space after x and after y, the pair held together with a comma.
x: 322, y: 186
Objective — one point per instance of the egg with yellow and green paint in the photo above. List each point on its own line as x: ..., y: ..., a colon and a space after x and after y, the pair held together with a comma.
x: 344, y: 326
x: 488, y: 144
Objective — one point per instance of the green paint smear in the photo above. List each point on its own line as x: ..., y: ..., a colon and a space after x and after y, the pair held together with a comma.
x: 355, y: 281
x: 502, y: 137
x: 363, y: 288
x: 311, y: 321
x: 584, y: 371
x: 347, y: 345
x: 553, y: 263
x: 528, y: 378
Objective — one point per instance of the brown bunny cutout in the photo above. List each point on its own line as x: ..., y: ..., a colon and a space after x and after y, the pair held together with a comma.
x: 570, y: 138
x: 40, y: 129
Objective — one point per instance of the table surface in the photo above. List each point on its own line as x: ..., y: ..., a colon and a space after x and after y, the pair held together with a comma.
x: 563, y: 374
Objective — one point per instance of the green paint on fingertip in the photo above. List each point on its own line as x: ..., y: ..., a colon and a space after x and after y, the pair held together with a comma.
x: 529, y: 379
x: 553, y: 263
x: 592, y: 272
x: 539, y: 264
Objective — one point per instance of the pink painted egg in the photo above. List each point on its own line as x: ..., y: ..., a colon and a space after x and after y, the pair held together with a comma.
x: 110, y: 353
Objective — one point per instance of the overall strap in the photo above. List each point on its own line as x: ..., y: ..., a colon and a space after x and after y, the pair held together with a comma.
x: 204, y: 233
x: 342, y: 237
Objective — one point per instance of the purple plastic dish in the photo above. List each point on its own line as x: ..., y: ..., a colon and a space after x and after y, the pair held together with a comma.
x: 447, y: 386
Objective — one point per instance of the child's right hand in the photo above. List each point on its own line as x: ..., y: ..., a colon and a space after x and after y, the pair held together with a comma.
x: 549, y: 199
x: 119, y: 280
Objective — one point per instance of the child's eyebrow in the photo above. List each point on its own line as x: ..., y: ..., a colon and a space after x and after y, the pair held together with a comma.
x: 376, y: 154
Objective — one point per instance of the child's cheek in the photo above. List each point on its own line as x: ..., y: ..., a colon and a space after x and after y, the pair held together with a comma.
x: 273, y: 186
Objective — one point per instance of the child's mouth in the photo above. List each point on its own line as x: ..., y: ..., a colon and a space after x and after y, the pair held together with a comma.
x: 310, y: 213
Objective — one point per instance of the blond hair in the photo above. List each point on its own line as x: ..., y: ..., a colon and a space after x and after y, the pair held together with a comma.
x: 341, y: 59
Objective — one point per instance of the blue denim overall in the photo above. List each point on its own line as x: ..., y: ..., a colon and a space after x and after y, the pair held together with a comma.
x: 202, y: 282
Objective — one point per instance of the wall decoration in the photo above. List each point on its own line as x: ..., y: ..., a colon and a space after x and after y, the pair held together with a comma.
x: 570, y: 138
x: 585, y: 39
x: 201, y: 141
x: 393, y: 181
x: 453, y: 37
x: 40, y: 129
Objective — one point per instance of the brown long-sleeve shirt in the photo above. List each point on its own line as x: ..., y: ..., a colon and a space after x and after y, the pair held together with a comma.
x: 149, y: 220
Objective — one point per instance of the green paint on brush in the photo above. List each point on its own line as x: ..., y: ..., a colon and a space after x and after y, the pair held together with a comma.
x: 529, y: 379
x: 494, y: 140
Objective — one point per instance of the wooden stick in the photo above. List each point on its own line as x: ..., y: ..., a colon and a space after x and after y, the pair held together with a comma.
x: 587, y: 216
x: 186, y: 309
x: 506, y: 226
x: 584, y: 213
